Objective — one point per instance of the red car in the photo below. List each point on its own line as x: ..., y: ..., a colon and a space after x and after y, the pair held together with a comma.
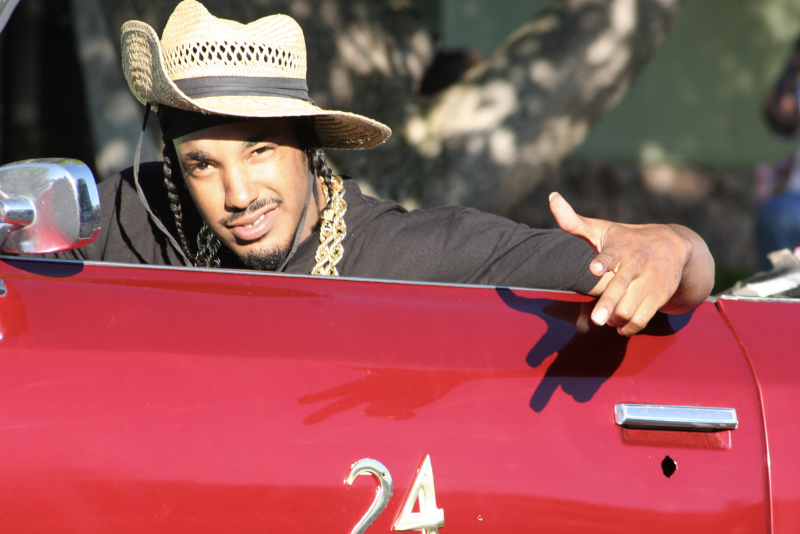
x: 151, y: 399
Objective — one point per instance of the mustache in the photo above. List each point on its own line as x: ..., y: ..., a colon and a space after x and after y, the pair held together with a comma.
x: 255, y: 206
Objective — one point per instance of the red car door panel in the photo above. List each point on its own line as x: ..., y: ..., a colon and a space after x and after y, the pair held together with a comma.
x: 769, y: 335
x: 165, y: 400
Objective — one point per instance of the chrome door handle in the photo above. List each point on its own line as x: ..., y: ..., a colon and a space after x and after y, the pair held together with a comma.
x: 667, y: 417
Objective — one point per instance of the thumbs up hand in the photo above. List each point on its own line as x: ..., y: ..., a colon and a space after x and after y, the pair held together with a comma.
x: 643, y: 268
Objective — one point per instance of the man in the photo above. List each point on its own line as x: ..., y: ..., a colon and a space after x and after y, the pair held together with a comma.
x: 247, y: 185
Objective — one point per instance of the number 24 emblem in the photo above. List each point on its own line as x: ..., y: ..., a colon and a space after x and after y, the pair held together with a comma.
x: 429, y: 518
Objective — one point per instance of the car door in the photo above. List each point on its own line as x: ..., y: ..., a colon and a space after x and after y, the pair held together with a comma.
x: 186, y: 400
x: 768, y: 333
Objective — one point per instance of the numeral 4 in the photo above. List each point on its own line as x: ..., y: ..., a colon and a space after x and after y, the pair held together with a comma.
x: 429, y: 518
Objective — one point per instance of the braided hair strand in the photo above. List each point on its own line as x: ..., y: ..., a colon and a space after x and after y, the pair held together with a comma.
x: 170, y: 164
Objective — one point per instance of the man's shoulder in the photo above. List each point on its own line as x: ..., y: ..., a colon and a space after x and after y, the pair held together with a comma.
x: 363, y: 208
x: 128, y: 234
x: 354, y: 191
x: 121, y: 190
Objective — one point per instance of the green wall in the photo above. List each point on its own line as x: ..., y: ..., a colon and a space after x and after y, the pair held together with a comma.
x: 697, y: 101
x: 483, y: 24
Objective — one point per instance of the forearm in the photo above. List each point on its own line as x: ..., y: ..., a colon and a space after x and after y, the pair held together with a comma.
x: 697, y: 277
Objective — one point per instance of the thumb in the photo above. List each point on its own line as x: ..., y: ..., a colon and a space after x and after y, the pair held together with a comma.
x: 571, y: 222
x: 593, y: 231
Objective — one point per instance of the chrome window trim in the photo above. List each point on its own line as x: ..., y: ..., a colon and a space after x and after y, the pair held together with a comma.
x: 758, y: 299
x: 247, y: 272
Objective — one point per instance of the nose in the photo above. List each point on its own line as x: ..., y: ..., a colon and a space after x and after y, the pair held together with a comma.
x: 240, y: 188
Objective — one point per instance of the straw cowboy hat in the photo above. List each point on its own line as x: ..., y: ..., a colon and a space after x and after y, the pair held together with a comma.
x: 211, y: 65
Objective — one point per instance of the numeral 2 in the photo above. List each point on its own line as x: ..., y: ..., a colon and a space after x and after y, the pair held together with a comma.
x: 382, y: 496
x: 429, y: 518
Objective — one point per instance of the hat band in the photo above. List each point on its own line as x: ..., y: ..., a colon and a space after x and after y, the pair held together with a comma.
x: 207, y: 86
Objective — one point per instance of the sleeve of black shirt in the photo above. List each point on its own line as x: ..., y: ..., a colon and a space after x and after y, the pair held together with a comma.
x: 463, y: 245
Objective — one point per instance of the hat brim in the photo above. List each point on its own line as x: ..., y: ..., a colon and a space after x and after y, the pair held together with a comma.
x: 143, y: 65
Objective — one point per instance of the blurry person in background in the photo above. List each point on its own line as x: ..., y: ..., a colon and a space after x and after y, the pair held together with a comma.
x: 778, y: 221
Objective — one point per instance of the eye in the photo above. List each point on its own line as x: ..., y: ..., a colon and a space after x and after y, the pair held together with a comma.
x: 263, y: 149
x: 199, y: 168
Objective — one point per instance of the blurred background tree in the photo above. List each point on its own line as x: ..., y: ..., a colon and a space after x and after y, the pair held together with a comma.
x: 487, y: 102
x: 490, y: 137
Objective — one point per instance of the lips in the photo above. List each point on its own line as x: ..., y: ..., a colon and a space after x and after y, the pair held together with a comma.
x: 255, y: 226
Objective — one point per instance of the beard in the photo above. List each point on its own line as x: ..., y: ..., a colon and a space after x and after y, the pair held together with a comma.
x: 269, y: 260
x: 261, y: 260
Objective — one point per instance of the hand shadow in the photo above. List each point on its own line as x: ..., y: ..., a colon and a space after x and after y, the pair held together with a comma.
x: 587, y: 354
x: 394, y: 394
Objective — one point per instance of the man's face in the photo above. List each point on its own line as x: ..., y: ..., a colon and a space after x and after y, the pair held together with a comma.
x: 249, y: 181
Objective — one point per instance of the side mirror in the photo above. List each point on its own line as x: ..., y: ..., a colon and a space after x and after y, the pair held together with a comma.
x: 47, y: 205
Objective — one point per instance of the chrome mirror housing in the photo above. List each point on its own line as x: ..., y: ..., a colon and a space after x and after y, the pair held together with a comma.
x: 47, y: 205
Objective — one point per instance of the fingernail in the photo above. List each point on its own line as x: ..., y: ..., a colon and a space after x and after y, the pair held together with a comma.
x: 552, y: 196
x: 597, y: 268
x: 599, y: 316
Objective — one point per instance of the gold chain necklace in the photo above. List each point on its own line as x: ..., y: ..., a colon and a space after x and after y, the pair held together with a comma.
x: 332, y: 232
